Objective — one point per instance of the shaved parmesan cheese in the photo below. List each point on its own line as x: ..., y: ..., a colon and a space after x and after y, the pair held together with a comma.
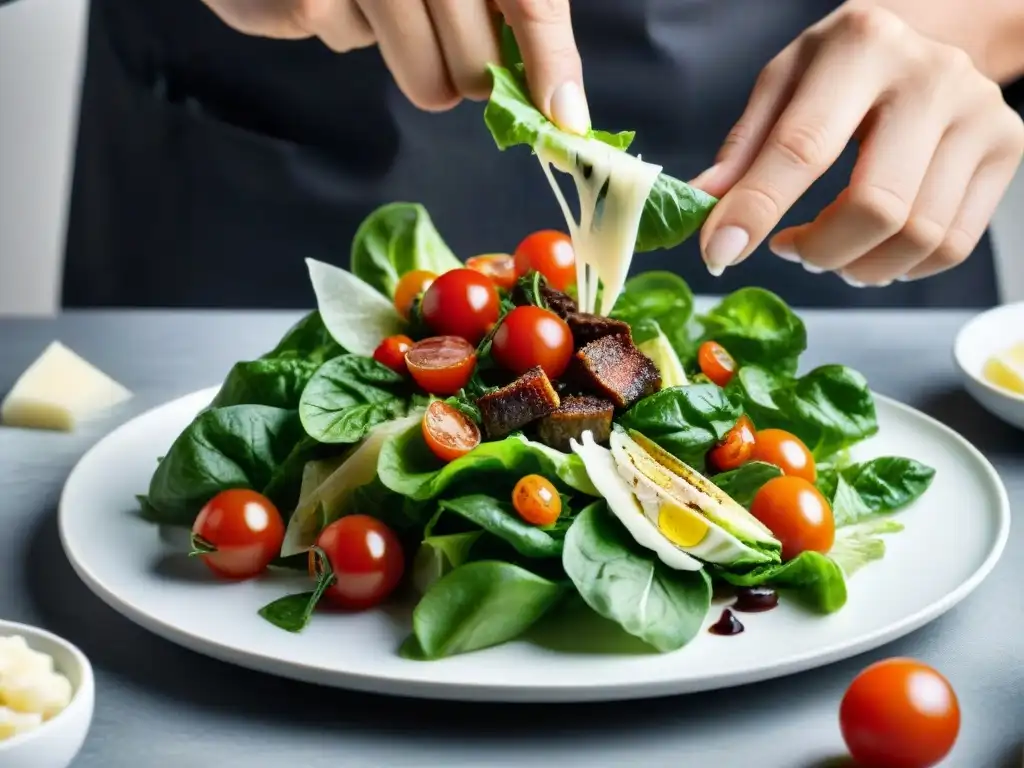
x: 612, y: 186
x: 58, y: 391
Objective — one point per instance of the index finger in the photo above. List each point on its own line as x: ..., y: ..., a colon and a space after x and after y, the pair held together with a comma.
x: 554, y: 71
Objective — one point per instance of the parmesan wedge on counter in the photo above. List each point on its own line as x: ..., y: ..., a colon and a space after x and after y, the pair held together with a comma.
x: 59, y: 391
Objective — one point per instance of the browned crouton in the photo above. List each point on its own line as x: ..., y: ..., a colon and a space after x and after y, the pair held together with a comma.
x: 613, y: 367
x: 525, y: 400
x: 576, y: 415
x: 560, y: 303
x: 587, y: 328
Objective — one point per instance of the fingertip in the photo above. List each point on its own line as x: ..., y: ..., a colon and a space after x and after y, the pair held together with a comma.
x: 568, y: 108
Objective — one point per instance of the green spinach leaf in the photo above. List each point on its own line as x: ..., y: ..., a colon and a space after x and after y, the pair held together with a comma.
x: 293, y: 612
x: 876, y: 487
x: 743, y: 483
x: 479, y: 605
x: 630, y: 586
x: 662, y: 298
x: 500, y: 519
x: 240, y: 446
x: 685, y: 421
x: 815, y: 579
x: 350, y: 395
x: 440, y: 555
x: 395, y: 239
x: 309, y: 340
x: 277, y: 382
x: 757, y: 328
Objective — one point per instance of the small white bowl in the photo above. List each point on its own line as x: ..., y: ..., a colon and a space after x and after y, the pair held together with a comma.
x: 56, y: 742
x: 983, y: 336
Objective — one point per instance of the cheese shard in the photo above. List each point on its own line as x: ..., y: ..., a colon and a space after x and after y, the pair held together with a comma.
x: 58, y: 391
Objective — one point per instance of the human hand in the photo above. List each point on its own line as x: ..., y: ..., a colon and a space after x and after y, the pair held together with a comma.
x: 938, y: 148
x: 437, y: 50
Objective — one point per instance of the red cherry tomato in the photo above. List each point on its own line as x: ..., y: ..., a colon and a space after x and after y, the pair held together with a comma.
x: 366, y: 558
x: 716, y: 363
x: 442, y: 365
x: 410, y: 285
x: 797, y: 514
x: 550, y: 253
x: 449, y: 433
x: 735, y: 448
x: 500, y: 267
x: 537, y: 500
x: 391, y: 353
x: 244, y: 529
x: 787, y: 452
x: 899, y: 713
x: 531, y: 336
x: 463, y: 303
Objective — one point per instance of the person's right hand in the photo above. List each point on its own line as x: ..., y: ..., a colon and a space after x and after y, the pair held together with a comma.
x: 437, y: 50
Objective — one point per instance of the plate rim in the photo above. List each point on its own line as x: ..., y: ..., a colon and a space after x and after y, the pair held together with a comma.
x: 582, y: 691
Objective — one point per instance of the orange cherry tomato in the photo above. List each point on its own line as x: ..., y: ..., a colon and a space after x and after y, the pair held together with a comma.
x: 551, y: 253
x: 899, y: 713
x: 409, y: 287
x: 531, y: 336
x: 736, y: 447
x: 366, y: 558
x: 716, y: 363
x: 500, y: 267
x: 536, y: 500
x: 442, y: 365
x: 787, y: 452
x: 449, y: 433
x: 391, y: 353
x: 463, y: 303
x: 797, y: 514
x: 242, y: 530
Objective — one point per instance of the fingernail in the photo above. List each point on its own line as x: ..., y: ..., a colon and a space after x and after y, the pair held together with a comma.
x: 853, y: 283
x: 903, y: 279
x: 814, y: 269
x: 724, y: 248
x: 786, y: 252
x: 569, y: 109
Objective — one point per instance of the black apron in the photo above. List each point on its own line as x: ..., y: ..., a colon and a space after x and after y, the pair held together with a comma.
x: 210, y: 164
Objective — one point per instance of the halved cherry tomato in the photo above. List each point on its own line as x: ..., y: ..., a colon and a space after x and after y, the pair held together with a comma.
x: 551, y: 253
x: 238, y: 533
x: 442, y: 365
x: 449, y: 433
x: 716, y: 363
x: 366, y: 558
x: 531, y: 336
x: 391, y: 353
x: 536, y: 500
x: 797, y: 514
x: 410, y: 285
x: 463, y: 303
x: 500, y: 267
x: 899, y: 713
x: 735, y: 448
x: 787, y: 452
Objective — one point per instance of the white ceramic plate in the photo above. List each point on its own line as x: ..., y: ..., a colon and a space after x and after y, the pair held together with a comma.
x: 983, y: 336
x: 954, y: 536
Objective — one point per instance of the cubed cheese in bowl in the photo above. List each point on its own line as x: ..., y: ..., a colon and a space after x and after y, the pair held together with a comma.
x: 46, y: 698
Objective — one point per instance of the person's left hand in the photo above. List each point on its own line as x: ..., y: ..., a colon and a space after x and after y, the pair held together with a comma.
x: 938, y: 148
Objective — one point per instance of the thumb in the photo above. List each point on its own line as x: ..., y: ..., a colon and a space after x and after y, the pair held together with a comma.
x: 554, y: 72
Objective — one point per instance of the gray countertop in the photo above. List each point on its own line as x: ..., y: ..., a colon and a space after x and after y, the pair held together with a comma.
x: 160, y: 706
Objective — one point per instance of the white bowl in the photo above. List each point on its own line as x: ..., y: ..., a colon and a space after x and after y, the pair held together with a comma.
x: 983, y: 336
x: 56, y: 742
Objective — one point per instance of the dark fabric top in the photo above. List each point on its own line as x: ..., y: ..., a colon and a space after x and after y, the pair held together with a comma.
x: 210, y: 163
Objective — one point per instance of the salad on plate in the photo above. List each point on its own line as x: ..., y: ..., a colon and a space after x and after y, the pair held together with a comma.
x: 521, y: 436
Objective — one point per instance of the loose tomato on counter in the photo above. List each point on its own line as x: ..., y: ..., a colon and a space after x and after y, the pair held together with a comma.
x: 537, y: 500
x: 463, y: 303
x: 366, y: 559
x: 531, y: 336
x: 500, y: 267
x: 736, y: 447
x: 409, y: 287
x: 797, y: 515
x: 441, y: 365
x: 448, y: 432
x: 787, y: 452
x: 899, y: 713
x: 391, y: 353
x: 238, y: 533
x: 716, y: 363
x: 551, y: 253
